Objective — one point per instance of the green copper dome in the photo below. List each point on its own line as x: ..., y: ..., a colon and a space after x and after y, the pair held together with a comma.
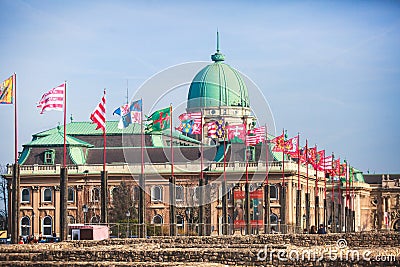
x: 216, y: 85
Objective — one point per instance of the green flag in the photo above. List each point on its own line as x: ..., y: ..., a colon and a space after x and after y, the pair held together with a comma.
x: 159, y: 120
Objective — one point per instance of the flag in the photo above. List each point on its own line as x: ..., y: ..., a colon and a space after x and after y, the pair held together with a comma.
x: 342, y: 170
x: 291, y: 146
x: 53, y: 99
x: 326, y: 164
x: 279, y: 142
x: 255, y: 136
x: 6, y: 91
x: 319, y: 156
x: 236, y: 133
x: 212, y: 129
x: 99, y: 114
x: 312, y: 155
x: 129, y: 114
x: 220, y: 132
x: 159, y: 120
x: 193, y: 119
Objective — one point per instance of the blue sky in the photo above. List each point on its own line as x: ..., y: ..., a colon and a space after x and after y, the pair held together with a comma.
x: 329, y: 69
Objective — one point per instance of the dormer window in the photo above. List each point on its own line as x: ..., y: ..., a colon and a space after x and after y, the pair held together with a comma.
x: 49, y: 157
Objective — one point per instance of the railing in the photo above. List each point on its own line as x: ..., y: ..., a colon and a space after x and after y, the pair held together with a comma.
x: 131, y: 230
x: 165, y: 168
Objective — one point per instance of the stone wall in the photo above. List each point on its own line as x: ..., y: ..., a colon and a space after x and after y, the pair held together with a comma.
x: 262, y: 250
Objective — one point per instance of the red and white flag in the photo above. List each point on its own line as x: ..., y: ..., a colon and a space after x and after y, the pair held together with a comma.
x: 237, y: 132
x: 255, y: 136
x: 53, y: 99
x: 99, y: 114
x: 326, y: 164
x: 212, y: 129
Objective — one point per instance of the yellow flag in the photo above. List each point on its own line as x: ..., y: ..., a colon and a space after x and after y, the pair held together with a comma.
x: 6, y: 91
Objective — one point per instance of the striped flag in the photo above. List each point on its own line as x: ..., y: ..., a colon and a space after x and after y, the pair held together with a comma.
x: 99, y: 114
x: 255, y: 136
x: 212, y: 129
x: 326, y: 164
x: 6, y: 91
x: 53, y: 99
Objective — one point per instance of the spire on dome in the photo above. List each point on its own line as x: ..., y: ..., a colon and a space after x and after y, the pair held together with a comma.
x: 217, y: 56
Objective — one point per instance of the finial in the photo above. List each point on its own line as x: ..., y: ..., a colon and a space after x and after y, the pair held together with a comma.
x: 217, y: 56
x: 217, y: 40
x: 71, y: 118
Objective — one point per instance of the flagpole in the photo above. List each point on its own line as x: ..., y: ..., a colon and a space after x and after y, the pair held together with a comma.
x: 283, y: 188
x: 333, y: 224
x: 316, y: 204
x: 298, y: 196
x: 325, y: 207
x: 224, y: 200
x: 15, y: 119
x: 246, y: 186
x: 142, y: 186
x: 267, y: 196
x: 201, y: 186
x: 172, y: 189
x: 65, y: 126
x: 104, y: 135
x: 340, y: 199
x: 307, y: 194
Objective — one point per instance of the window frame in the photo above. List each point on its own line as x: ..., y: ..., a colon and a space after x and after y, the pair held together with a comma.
x: 47, y: 226
x: 73, y: 195
x: 48, y: 155
x: 182, y: 193
x: 95, y: 192
x: 22, y: 195
x: 27, y: 226
x: 153, y: 198
x: 51, y: 195
x: 157, y: 216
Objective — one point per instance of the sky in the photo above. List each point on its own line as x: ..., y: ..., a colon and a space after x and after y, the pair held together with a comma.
x: 329, y: 70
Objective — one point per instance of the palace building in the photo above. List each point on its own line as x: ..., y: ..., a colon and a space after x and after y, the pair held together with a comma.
x: 200, y: 170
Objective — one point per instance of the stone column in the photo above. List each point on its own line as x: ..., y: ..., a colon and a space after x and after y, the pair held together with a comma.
x: 172, y: 206
x: 283, y: 209
x: 104, y: 197
x: 298, y: 210
x: 142, y: 206
x: 333, y: 215
x: 63, y: 204
x: 317, y: 211
x: 201, y: 206
x: 267, y: 211
x: 307, y: 197
x: 340, y: 218
x: 15, y: 204
x: 224, y: 209
x: 247, y: 207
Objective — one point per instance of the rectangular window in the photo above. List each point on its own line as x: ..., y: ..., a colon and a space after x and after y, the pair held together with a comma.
x: 48, y: 157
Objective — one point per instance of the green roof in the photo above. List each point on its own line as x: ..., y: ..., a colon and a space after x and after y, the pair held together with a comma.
x: 217, y: 84
x: 88, y: 128
x: 57, y: 139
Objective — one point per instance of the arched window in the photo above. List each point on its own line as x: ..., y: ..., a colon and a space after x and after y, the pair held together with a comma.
x: 47, y: 226
x: 71, y: 194
x: 179, y: 221
x: 158, y: 219
x: 95, y: 194
x: 179, y: 193
x: 71, y: 219
x: 47, y: 195
x: 114, y: 192
x: 25, y: 195
x: 95, y: 219
x: 274, y: 219
x: 156, y: 193
x: 273, y: 192
x: 25, y: 226
x: 136, y: 193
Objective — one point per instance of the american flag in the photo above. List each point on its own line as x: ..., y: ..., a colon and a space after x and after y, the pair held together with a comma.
x: 99, y: 114
x: 53, y: 99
